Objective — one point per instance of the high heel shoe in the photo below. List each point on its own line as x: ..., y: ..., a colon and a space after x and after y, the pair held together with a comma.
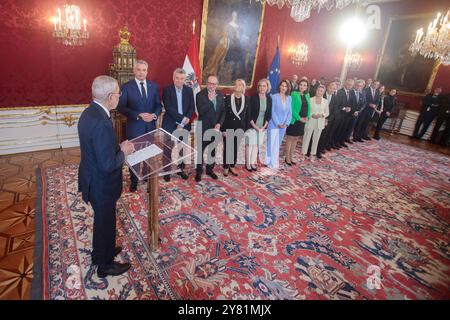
x: 249, y: 170
x: 288, y: 163
x: 233, y: 172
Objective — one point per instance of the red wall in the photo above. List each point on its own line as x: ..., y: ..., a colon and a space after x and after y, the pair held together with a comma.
x: 38, y: 71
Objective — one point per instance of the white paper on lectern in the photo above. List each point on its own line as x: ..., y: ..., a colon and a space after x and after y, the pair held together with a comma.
x: 143, y: 154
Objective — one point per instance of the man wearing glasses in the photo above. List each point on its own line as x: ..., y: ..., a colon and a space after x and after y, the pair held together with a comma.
x: 141, y: 104
x: 100, y: 173
x: 211, y: 114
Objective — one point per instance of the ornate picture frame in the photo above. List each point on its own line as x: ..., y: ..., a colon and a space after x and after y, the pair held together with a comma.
x: 229, y: 42
x: 396, y: 66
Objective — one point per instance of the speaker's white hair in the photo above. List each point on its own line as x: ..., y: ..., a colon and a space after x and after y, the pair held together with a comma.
x: 102, y: 86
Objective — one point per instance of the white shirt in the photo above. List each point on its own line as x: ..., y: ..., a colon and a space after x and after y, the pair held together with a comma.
x: 139, y: 86
x: 106, y: 110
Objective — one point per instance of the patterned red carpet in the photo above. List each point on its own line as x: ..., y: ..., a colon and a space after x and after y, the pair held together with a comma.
x: 321, y: 230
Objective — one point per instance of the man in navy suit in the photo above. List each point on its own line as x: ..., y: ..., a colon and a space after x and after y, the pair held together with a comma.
x: 141, y: 104
x: 178, y: 100
x: 360, y: 104
x: 100, y: 173
x: 373, y: 100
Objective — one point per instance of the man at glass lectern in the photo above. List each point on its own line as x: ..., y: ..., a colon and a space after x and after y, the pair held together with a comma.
x: 178, y: 100
x: 141, y: 104
x: 100, y: 173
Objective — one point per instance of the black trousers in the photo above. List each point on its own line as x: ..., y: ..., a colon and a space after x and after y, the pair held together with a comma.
x: 323, y: 141
x: 435, y: 136
x: 334, y: 131
x: 233, y: 158
x: 104, y: 236
x: 380, y: 124
x: 362, y: 123
x: 205, y: 144
x: 351, y: 127
x: 346, y: 125
x: 423, y: 122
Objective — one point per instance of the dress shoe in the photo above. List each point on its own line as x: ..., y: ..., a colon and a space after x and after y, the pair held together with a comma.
x: 198, y: 177
x: 250, y: 170
x: 358, y: 140
x: 234, y: 173
x: 183, y: 175
x: 344, y: 145
x: 117, y: 250
x: 348, y: 141
x: 328, y: 148
x: 167, y: 177
x: 366, y: 138
x: 212, y: 174
x: 319, y: 156
x: 114, y: 269
x: 133, y: 187
x: 254, y: 168
x: 377, y: 137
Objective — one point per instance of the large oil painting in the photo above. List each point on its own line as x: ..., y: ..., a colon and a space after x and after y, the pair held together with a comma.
x: 230, y: 38
x: 398, y: 67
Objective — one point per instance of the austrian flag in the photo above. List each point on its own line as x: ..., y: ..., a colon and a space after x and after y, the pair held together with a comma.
x: 192, y: 67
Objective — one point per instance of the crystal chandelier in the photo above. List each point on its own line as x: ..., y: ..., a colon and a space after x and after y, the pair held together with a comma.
x: 435, y: 44
x: 354, y: 61
x: 69, y: 29
x: 299, y: 54
x: 301, y: 9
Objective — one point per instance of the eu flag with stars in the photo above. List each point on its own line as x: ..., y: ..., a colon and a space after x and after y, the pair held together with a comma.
x: 274, y: 72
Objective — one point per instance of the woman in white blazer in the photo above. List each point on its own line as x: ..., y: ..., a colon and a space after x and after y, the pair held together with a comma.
x: 316, y: 123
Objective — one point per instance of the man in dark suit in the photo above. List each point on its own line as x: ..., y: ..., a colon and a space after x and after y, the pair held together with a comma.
x: 388, y: 105
x: 100, y: 173
x: 141, y: 104
x: 324, y: 141
x: 178, y: 100
x: 211, y: 114
x: 430, y: 109
x: 442, y: 118
x: 345, y: 106
x: 373, y: 101
x: 359, y: 106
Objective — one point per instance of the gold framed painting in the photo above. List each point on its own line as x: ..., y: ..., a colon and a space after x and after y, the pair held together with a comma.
x: 229, y: 43
x: 397, y: 67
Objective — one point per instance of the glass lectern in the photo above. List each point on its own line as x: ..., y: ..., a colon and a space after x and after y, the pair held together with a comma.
x: 157, y: 153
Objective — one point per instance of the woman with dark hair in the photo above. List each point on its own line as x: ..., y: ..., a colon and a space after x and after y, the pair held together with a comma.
x: 281, y: 117
x: 301, y: 112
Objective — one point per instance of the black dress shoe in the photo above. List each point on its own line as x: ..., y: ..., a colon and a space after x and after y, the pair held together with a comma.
x: 328, y: 148
x: 183, y: 175
x: 358, y: 140
x: 212, y: 174
x: 114, y: 269
x: 198, y: 177
x: 344, y: 145
x: 167, y: 177
x: 319, y: 156
x: 133, y: 187
x: 254, y: 169
x: 377, y: 137
x: 366, y: 138
x: 250, y: 170
x: 348, y: 141
x: 117, y: 250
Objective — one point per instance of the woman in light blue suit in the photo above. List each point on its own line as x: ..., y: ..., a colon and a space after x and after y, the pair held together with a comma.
x: 281, y: 117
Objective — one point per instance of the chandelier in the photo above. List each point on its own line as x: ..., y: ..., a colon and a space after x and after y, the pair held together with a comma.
x: 69, y: 29
x: 354, y: 61
x: 301, y: 9
x: 299, y: 54
x: 435, y: 44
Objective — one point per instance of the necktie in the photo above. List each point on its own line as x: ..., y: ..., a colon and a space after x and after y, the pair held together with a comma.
x: 346, y: 93
x: 357, y: 96
x: 144, y: 93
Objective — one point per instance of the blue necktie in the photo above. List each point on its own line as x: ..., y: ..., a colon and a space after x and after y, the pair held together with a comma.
x: 144, y: 94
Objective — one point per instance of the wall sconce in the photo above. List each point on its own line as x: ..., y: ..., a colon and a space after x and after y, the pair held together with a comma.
x: 299, y: 54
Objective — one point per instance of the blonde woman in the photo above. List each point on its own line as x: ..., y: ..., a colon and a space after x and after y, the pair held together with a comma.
x: 260, y: 115
x: 237, y: 113
x: 316, y: 123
